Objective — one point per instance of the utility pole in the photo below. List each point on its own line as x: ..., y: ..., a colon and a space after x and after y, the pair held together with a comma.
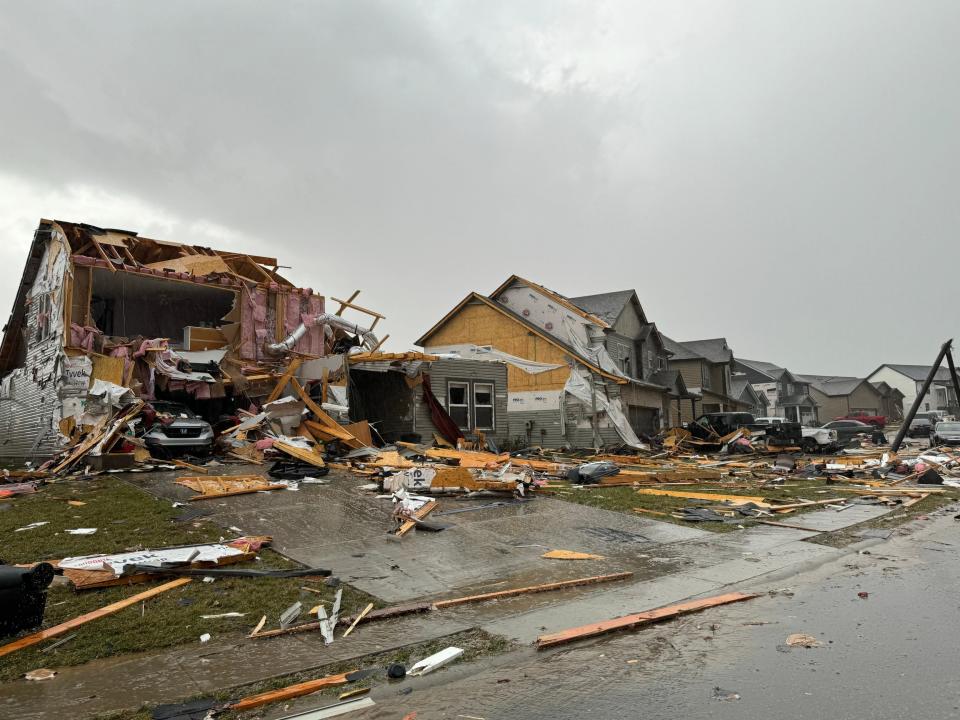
x: 944, y: 352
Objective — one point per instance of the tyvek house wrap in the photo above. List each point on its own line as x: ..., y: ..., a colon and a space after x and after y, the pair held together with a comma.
x: 578, y: 386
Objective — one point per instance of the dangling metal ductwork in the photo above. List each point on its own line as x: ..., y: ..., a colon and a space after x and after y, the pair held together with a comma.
x: 367, y: 338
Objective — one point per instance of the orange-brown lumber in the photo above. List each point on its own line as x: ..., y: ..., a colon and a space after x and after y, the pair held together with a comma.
x: 289, y: 692
x: 631, y: 621
x: 532, y: 589
x: 42, y: 635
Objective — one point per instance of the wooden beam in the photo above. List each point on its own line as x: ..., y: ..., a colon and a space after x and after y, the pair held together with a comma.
x: 284, y: 379
x: 360, y: 617
x: 632, y: 621
x: 359, y: 308
x: 307, y: 456
x: 419, y: 515
x: 548, y: 587
x: 344, y: 303
x: 76, y: 622
x: 289, y: 692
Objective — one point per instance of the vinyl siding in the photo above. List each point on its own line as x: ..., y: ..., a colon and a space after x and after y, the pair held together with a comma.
x: 442, y: 371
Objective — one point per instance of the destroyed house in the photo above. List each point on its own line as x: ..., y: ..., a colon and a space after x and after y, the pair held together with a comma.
x: 600, y: 347
x: 156, y: 317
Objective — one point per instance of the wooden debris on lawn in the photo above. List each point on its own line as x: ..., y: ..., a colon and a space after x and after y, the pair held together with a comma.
x: 218, y: 486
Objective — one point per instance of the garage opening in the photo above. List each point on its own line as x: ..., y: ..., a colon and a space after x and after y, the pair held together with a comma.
x: 127, y: 305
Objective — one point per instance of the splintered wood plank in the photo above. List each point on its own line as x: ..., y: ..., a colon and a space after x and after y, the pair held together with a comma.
x: 639, y: 619
x: 76, y: 622
x: 284, y: 379
x: 289, y: 692
x: 419, y: 515
x: 307, y: 456
x: 736, y: 499
x: 531, y: 589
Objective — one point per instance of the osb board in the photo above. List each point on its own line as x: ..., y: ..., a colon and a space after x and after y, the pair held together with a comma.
x: 109, y: 369
x: 361, y: 431
x: 482, y: 325
x: 194, y: 264
x: 202, y: 338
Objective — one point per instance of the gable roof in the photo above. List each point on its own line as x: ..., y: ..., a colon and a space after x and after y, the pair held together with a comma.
x: 607, y: 306
x: 715, y: 350
x: 917, y: 373
x: 834, y: 385
x: 507, y: 312
x: 678, y: 351
x: 766, y: 369
x: 553, y: 295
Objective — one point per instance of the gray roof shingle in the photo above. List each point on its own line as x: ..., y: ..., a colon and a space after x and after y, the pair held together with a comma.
x: 606, y: 306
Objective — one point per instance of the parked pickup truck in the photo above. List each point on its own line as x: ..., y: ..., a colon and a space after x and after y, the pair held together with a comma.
x: 879, y: 421
x: 814, y: 440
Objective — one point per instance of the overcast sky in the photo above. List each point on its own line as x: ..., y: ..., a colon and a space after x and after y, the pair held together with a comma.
x: 784, y: 174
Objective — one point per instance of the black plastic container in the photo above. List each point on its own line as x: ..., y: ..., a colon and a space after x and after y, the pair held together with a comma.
x: 23, y: 597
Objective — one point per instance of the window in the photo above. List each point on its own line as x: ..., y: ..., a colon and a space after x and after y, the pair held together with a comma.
x: 458, y: 403
x: 483, y: 405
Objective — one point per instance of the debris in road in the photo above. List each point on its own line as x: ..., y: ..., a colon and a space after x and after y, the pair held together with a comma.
x: 863, y: 595
x: 41, y: 674
x: 570, y: 555
x: 220, y: 486
x: 353, y: 693
x: 193, y: 710
x: 632, y: 621
x: 396, y: 671
x: 205, y: 637
x: 435, y: 661
x: 359, y: 617
x: 802, y: 640
x: 327, y: 625
x: 334, y: 710
x: 724, y: 695
x: 69, y: 625
x: 81, y: 531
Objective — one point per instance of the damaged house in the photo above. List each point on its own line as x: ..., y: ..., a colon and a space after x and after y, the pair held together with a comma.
x: 610, y: 383
x: 100, y: 312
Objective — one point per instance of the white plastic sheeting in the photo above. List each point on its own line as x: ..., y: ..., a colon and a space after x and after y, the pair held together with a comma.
x: 491, y: 354
x: 116, y: 563
x: 579, y: 387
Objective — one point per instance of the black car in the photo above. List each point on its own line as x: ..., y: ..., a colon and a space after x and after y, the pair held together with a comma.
x: 848, y: 429
x: 919, y: 427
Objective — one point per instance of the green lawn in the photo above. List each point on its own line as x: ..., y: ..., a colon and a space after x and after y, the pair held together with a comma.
x: 128, y: 518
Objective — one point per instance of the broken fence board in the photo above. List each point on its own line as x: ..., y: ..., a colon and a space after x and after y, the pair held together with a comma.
x: 529, y: 590
x: 60, y: 629
x: 631, y: 621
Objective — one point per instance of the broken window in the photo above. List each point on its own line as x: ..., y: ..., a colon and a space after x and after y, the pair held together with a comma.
x: 483, y: 405
x: 458, y: 403
x: 42, y: 322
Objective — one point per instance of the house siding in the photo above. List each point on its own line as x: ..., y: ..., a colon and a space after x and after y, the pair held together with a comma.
x: 443, y: 371
x: 30, y: 405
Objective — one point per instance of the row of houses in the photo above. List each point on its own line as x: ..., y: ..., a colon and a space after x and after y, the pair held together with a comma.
x: 619, y: 355
x: 524, y: 364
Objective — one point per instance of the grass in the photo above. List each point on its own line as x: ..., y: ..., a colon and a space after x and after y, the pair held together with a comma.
x: 624, y: 499
x: 128, y: 518
x: 475, y: 643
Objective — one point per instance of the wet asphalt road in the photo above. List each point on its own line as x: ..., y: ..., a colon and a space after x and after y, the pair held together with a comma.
x: 893, y: 654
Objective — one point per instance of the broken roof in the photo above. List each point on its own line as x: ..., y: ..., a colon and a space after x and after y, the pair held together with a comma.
x: 553, y: 295
x: 606, y: 306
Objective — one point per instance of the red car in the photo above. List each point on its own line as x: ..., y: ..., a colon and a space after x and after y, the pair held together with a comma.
x: 879, y: 421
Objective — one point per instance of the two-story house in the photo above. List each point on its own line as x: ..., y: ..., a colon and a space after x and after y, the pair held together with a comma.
x: 598, y: 396
x: 706, y: 369
x: 909, y: 379
x: 787, y: 394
